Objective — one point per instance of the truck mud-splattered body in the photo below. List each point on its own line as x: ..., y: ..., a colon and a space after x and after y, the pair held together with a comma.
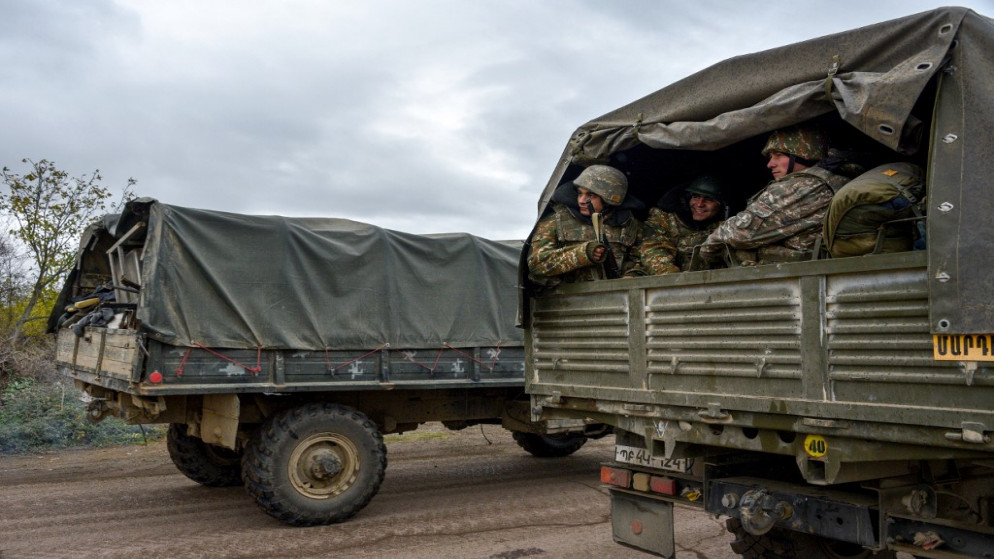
x: 280, y: 350
x: 830, y: 407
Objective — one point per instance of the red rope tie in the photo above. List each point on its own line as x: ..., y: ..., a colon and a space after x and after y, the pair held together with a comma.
x: 254, y: 370
x: 496, y: 357
x: 347, y: 363
x: 182, y: 364
x: 408, y: 357
x: 437, y: 359
x: 470, y: 357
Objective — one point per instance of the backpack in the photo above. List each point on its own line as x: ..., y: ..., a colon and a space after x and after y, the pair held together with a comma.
x: 876, y: 212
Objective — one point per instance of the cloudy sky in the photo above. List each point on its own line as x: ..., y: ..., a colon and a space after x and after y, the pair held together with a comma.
x: 418, y: 115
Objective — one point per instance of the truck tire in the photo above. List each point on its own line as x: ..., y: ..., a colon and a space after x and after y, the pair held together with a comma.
x: 206, y: 464
x: 317, y: 464
x: 549, y: 446
x: 788, y: 544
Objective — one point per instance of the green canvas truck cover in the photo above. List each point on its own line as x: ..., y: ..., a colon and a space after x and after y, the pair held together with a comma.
x: 872, y: 78
x: 226, y: 280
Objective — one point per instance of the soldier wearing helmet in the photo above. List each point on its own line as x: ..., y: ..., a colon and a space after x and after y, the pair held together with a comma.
x: 564, y: 245
x: 681, y: 220
x: 794, y: 149
x: 782, y: 221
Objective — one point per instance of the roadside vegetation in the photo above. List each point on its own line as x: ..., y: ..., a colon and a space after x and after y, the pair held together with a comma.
x: 43, y: 212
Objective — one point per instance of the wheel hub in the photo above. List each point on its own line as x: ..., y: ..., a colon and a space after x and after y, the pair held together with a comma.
x: 324, y: 465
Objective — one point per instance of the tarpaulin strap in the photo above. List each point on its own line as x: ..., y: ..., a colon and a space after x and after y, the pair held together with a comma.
x: 438, y: 357
x: 258, y: 358
x: 408, y: 357
x: 182, y: 364
x: 496, y: 357
x: 491, y: 367
x: 834, y: 69
x: 347, y: 363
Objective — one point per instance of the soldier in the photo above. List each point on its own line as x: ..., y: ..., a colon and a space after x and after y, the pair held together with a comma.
x: 781, y: 222
x: 674, y: 228
x: 571, y: 244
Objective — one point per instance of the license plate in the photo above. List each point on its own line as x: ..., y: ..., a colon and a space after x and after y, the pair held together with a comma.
x: 640, y: 457
x: 963, y: 347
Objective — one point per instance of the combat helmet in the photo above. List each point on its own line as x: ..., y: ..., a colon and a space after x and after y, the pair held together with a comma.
x: 707, y: 185
x: 607, y: 182
x: 803, y: 142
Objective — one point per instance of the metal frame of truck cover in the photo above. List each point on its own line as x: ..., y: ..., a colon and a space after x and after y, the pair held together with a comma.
x: 840, y: 348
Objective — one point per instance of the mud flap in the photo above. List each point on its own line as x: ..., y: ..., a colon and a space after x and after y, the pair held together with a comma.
x: 219, y: 425
x: 645, y: 524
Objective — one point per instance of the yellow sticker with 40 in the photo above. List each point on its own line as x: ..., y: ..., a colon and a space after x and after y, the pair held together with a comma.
x: 816, y: 446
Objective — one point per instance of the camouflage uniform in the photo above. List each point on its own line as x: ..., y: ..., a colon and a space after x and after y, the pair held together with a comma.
x: 781, y: 222
x: 562, y: 248
x: 669, y: 243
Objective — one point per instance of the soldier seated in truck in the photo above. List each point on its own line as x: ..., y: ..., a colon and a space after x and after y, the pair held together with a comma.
x: 682, y: 219
x: 590, y: 233
x: 781, y: 222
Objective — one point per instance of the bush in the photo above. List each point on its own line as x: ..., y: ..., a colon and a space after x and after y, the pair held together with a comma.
x: 37, y: 415
x: 42, y: 410
x: 32, y: 359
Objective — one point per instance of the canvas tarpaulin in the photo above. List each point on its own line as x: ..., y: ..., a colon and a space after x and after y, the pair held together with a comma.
x: 872, y: 78
x: 236, y: 281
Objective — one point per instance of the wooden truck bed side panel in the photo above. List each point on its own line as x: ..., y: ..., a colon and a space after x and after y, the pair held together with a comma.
x: 100, y: 351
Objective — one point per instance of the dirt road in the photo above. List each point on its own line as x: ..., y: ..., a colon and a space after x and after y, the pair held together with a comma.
x: 465, y: 494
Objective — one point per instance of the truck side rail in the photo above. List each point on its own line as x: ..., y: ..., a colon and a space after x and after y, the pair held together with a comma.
x: 750, y: 358
x: 125, y: 361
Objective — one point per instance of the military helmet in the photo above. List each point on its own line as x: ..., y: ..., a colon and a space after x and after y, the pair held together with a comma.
x: 706, y: 185
x: 804, y: 142
x: 607, y: 182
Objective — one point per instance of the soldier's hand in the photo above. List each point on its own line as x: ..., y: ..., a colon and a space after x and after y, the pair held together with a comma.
x: 596, y: 252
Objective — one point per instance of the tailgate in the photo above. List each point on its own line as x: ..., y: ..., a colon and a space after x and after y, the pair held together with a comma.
x: 102, y: 356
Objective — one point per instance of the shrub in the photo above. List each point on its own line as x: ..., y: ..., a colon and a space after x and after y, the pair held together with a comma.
x: 37, y: 415
x: 32, y: 359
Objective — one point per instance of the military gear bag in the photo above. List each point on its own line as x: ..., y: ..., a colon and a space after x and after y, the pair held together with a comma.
x: 875, y: 212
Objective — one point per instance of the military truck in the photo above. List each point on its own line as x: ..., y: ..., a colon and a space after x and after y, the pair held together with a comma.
x: 280, y: 350
x: 829, y: 407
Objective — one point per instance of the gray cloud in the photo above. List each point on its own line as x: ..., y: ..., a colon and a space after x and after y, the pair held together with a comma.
x: 427, y: 116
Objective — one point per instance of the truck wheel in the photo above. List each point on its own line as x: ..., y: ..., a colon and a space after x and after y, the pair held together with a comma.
x: 549, y: 446
x: 316, y: 464
x: 206, y: 464
x: 788, y: 544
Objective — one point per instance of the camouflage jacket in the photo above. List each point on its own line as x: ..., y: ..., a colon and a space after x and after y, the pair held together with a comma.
x: 561, y: 248
x: 780, y: 222
x: 668, y: 243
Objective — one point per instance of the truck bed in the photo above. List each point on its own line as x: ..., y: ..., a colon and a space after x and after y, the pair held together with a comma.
x: 731, y: 358
x: 124, y: 360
